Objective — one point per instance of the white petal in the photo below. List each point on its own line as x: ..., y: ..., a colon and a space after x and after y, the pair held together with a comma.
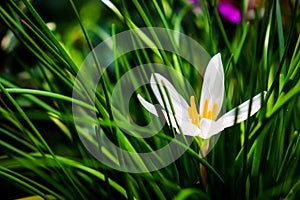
x: 185, y: 124
x: 209, y: 128
x: 213, y: 84
x: 179, y: 104
x: 172, y: 119
x: 150, y: 107
x: 188, y: 128
x: 243, y: 110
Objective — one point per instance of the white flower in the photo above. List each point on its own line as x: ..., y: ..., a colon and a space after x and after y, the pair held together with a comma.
x: 186, y: 118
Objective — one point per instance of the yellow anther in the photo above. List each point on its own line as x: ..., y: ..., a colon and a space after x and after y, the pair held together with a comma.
x: 205, y: 109
x: 193, y: 113
x: 214, y: 111
x: 209, y: 114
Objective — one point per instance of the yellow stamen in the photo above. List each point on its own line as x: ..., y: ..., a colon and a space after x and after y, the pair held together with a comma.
x: 209, y: 114
x: 205, y: 109
x: 193, y: 114
x: 214, y: 111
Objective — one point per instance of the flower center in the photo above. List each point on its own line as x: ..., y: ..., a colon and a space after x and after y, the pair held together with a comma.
x: 209, y: 114
x: 206, y: 113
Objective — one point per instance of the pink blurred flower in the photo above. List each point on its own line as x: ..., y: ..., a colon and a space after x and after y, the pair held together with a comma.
x: 231, y: 11
x: 193, y: 1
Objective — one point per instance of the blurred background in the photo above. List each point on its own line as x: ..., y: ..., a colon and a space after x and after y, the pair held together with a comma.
x: 43, y: 43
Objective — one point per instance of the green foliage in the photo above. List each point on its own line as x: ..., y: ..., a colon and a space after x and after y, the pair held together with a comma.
x: 41, y: 153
